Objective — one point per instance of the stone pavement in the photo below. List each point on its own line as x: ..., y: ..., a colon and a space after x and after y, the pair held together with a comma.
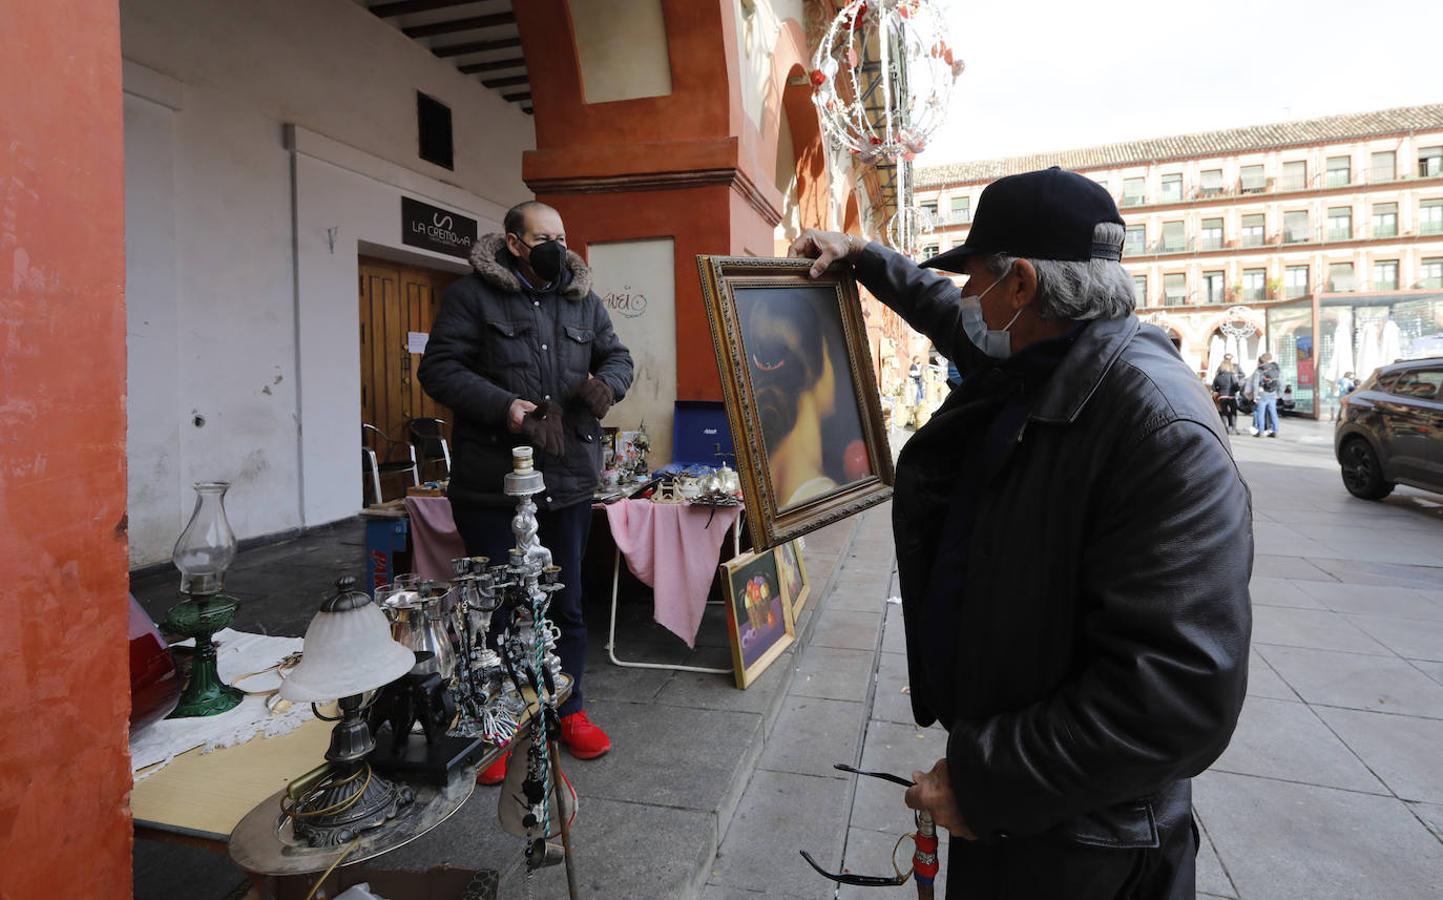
x: 1332, y: 788
x: 1333, y: 785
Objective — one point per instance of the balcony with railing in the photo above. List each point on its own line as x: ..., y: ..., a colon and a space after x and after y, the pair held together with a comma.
x: 1281, y: 184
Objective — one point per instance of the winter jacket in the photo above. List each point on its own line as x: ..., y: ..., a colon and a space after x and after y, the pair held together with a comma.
x: 1267, y: 379
x: 1102, y: 628
x: 496, y: 340
x: 1226, y: 385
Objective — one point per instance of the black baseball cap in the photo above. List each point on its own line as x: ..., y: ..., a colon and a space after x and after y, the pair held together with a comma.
x: 1048, y: 214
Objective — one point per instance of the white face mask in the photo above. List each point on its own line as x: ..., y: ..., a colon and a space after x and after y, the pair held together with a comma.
x: 994, y: 344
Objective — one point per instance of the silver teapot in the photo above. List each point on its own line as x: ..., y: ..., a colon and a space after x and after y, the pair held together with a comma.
x: 418, y: 620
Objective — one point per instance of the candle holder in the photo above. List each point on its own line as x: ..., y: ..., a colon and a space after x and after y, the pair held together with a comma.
x: 204, y: 551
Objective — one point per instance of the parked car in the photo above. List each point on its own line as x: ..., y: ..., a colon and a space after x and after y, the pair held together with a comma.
x: 1390, y: 430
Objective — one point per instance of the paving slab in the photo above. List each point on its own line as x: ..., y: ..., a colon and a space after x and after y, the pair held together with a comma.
x: 1283, y: 841
x: 1263, y: 681
x: 1293, y: 567
x: 708, y: 690
x: 892, y: 701
x: 722, y: 892
x: 1431, y: 814
x: 1361, y: 572
x: 832, y: 674
x: 845, y: 630
x: 1282, y: 592
x: 1431, y: 669
x: 693, y: 765
x: 779, y: 815
x: 902, y: 749
x: 1212, y: 878
x: 677, y: 844
x: 811, y: 734
x: 878, y: 805
x: 894, y: 634
x: 1374, y: 600
x: 1404, y: 751
x: 1409, y: 638
x: 1278, y: 739
x: 1356, y: 680
x: 1315, y: 628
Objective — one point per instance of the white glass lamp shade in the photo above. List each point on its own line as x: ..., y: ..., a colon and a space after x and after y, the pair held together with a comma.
x: 345, y: 653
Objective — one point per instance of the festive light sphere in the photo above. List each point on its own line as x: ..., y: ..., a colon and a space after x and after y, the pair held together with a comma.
x: 894, y: 120
x: 906, y: 228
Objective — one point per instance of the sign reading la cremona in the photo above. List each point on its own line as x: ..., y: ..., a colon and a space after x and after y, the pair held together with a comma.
x: 433, y: 228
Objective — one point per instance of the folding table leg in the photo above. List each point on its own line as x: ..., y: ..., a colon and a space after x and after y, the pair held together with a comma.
x: 611, y: 636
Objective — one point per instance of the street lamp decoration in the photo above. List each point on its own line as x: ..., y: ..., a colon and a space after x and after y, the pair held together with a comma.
x: 906, y: 227
x: 891, y: 117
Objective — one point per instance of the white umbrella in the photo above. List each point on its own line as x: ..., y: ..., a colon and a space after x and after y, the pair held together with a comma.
x: 1392, y: 342
x: 1215, y: 356
x: 1342, y: 361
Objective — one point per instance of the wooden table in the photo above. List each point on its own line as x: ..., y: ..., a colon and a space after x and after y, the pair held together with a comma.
x: 199, y: 798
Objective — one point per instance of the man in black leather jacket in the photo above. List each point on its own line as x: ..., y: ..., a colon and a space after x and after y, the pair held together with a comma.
x: 1074, y: 546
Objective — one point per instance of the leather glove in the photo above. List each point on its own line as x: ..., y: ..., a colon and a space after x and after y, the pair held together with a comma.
x: 543, y: 426
x: 596, y: 395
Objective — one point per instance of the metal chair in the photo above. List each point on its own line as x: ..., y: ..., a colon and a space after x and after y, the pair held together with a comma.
x: 428, y: 442
x: 370, y: 435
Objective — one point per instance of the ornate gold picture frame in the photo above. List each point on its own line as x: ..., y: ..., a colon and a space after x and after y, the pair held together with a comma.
x: 801, y: 397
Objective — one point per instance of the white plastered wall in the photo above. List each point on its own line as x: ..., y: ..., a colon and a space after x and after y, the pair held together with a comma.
x: 238, y: 311
x: 637, y: 282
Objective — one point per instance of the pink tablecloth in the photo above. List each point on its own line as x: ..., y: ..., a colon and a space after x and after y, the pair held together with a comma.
x: 673, y: 548
x: 434, y: 540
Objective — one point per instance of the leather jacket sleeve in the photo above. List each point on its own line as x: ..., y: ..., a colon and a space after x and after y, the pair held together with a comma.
x: 610, y: 360
x: 928, y: 301
x: 448, y: 370
x: 1163, y: 648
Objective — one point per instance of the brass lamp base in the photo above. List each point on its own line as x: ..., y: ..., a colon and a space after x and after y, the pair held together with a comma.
x: 200, y: 617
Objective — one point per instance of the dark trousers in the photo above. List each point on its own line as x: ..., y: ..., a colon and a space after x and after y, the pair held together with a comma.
x: 1228, y: 407
x: 486, y: 531
x: 1052, y: 868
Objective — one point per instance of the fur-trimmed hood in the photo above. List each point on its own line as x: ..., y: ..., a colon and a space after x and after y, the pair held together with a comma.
x: 492, y: 262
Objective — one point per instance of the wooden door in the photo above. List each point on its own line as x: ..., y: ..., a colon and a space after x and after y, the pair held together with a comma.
x: 397, y: 300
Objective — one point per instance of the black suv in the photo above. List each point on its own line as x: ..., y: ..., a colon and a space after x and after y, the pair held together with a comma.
x: 1390, y: 430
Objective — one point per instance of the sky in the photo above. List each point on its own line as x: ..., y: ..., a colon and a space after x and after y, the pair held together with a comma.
x: 1047, y: 75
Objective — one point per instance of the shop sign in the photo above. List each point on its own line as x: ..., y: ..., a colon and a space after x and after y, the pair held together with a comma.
x: 433, y: 228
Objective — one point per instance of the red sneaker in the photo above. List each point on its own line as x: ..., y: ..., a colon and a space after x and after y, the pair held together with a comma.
x: 582, y: 738
x: 494, y: 773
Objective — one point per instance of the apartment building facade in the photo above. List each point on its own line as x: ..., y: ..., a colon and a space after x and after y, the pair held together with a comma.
x: 1319, y: 240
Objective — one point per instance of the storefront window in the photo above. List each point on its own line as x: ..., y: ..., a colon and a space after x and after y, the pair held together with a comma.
x: 1290, y: 339
x: 1359, y: 337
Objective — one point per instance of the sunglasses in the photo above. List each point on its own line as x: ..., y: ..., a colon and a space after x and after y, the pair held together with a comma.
x: 925, y: 837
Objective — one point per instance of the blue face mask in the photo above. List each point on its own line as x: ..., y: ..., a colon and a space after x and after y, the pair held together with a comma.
x: 994, y: 344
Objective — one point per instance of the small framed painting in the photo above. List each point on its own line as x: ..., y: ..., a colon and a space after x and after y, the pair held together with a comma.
x: 759, y: 618
x: 792, y: 568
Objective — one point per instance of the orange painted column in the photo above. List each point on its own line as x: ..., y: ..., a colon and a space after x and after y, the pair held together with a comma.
x: 64, y: 763
x: 651, y: 167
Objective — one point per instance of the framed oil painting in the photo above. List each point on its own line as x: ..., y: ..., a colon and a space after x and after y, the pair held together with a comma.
x: 759, y: 618
x: 801, y: 397
x: 792, y: 569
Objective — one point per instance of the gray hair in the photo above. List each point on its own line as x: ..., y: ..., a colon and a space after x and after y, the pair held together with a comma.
x: 1079, y: 291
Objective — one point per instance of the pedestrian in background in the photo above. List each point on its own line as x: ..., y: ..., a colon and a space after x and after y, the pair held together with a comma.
x: 1263, y: 387
x: 1225, y: 392
x: 1346, y: 385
